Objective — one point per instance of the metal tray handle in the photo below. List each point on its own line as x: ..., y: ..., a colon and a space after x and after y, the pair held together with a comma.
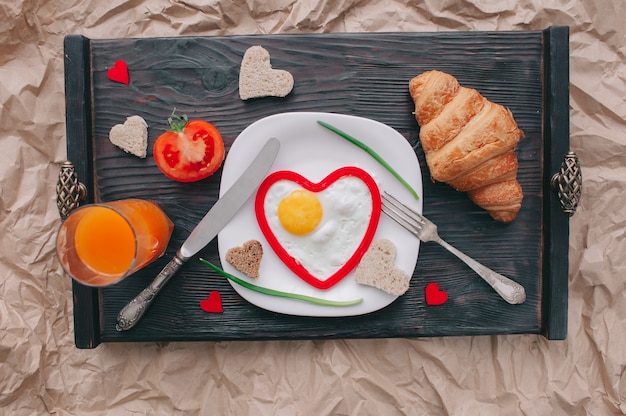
x: 70, y: 192
x: 568, y: 183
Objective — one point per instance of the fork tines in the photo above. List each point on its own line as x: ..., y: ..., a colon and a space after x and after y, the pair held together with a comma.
x: 401, y: 213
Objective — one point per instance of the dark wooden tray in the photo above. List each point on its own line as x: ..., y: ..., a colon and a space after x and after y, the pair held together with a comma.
x: 359, y: 74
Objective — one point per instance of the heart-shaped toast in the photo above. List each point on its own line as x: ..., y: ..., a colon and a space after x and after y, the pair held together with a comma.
x: 132, y: 136
x: 119, y: 72
x: 377, y: 269
x: 320, y: 230
x: 258, y: 79
x: 247, y: 258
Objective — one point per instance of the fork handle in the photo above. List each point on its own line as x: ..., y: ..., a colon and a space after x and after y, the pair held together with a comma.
x: 510, y: 291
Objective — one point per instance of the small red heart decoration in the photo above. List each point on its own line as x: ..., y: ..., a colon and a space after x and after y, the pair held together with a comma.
x: 212, y: 304
x: 119, y: 72
x: 435, y: 296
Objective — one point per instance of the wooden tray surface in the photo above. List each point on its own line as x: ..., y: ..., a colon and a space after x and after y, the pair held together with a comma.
x: 358, y: 74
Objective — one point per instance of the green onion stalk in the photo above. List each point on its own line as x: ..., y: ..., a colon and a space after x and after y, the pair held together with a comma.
x: 278, y: 293
x: 372, y: 153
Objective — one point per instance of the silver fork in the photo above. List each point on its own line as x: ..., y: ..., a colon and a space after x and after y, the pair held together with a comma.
x: 425, y: 230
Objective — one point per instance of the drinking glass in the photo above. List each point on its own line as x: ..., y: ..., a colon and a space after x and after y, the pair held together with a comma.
x: 101, y: 244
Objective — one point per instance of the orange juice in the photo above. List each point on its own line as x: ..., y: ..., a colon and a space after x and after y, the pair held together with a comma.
x: 105, y: 241
x: 100, y: 244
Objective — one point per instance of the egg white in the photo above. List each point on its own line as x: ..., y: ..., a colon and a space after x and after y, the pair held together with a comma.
x: 347, y: 208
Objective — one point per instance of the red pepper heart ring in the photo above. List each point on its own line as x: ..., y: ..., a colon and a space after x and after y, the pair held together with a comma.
x: 320, y: 231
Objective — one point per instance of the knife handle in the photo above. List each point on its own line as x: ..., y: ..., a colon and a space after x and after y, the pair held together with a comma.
x: 134, y: 310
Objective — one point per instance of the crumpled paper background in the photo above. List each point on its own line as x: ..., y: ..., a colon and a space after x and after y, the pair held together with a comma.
x: 41, y: 372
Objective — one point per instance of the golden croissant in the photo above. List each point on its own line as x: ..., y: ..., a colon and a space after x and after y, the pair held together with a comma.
x: 469, y: 142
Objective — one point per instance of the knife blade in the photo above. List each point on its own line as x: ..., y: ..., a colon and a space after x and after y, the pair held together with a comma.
x: 214, y: 220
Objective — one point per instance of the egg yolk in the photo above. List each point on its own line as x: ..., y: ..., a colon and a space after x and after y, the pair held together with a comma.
x: 300, y: 212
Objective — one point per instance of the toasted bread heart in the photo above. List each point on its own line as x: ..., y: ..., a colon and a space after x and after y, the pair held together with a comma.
x: 132, y: 136
x: 258, y: 79
x: 246, y: 259
x: 377, y: 269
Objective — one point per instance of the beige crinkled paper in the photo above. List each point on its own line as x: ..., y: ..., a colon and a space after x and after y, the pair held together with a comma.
x: 41, y: 372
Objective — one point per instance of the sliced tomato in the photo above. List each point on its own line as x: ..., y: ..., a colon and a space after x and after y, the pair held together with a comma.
x: 190, y: 151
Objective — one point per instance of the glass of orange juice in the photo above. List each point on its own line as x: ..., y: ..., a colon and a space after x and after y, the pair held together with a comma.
x: 100, y: 244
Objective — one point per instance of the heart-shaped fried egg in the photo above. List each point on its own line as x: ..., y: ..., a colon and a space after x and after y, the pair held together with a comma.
x: 319, y: 230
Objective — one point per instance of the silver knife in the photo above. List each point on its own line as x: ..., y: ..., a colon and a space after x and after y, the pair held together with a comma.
x: 214, y: 220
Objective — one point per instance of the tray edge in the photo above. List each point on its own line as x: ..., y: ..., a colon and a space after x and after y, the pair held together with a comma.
x: 556, y: 145
x: 77, y: 52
